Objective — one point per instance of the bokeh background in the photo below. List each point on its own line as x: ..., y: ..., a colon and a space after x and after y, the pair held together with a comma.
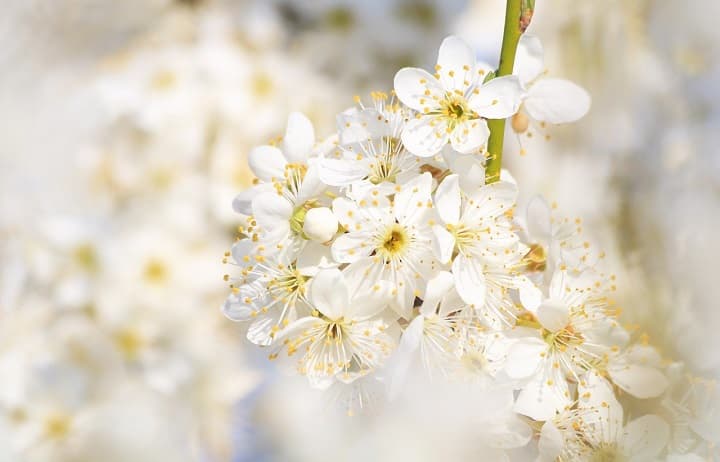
x: 124, y: 130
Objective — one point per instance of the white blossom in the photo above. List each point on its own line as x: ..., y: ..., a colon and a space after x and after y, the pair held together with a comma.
x: 453, y: 103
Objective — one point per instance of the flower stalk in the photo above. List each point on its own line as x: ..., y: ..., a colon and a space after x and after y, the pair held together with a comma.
x: 518, y: 14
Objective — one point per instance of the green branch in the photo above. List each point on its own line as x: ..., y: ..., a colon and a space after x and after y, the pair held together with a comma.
x: 518, y: 14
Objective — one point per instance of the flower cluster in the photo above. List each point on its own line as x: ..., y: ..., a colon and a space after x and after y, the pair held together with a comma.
x: 381, y: 250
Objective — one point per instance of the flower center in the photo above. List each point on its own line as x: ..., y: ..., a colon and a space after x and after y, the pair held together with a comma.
x: 292, y: 180
x: 395, y: 241
x: 455, y: 109
x: 57, y: 426
x: 262, y: 85
x: 163, y: 80
x: 130, y: 342
x: 335, y: 330
x: 465, y: 237
x: 86, y: 257
x: 155, y: 271
x: 607, y: 452
x: 563, y: 338
x: 386, y: 165
x: 536, y: 258
x: 288, y: 282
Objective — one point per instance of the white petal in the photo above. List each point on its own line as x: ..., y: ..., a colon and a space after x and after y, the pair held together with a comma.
x: 528, y: 58
x: 640, y: 381
x: 469, y: 280
x: 328, y: 293
x: 298, y: 326
x: 530, y: 295
x: 423, y: 139
x: 524, y: 357
x: 451, y: 302
x: 242, y: 250
x: 551, y: 443
x: 541, y: 400
x: 272, y: 212
x: 558, y: 284
x: 447, y: 199
x: 412, y: 202
x: 499, y: 98
x: 340, y: 172
x: 260, y: 330
x: 299, y: 138
x: 538, y: 220
x: 443, y: 243
x: 236, y: 309
x: 368, y: 303
x: 513, y: 433
x: 490, y: 201
x: 323, y: 382
x: 645, y: 438
x: 644, y: 354
x: 596, y: 393
x: 457, y: 64
x: 553, y: 314
x: 311, y: 185
x: 404, y: 355
x: 468, y: 167
x: 556, y: 101
x: 470, y: 136
x: 608, y: 332
x: 346, y: 211
x: 437, y: 288
x: 242, y: 203
x: 356, y: 126
x: 411, y: 85
x: 313, y: 257
x: 267, y: 162
x: 412, y: 335
x: 350, y: 247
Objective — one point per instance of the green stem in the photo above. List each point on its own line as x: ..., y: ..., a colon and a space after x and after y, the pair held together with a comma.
x: 517, y: 18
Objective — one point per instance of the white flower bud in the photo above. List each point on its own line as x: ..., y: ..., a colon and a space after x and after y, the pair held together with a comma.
x: 320, y: 224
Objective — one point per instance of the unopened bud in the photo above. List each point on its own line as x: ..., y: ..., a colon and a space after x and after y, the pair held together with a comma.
x: 520, y: 122
x: 320, y: 224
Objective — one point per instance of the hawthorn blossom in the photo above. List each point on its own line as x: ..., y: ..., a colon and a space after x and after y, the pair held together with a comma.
x: 389, y: 240
x: 271, y: 289
x: 434, y: 332
x: 638, y: 370
x: 545, y: 100
x: 399, y: 261
x: 596, y: 430
x: 288, y: 186
x: 344, y: 338
x: 369, y: 149
x: 452, y: 104
x: 475, y: 234
x: 691, y: 404
x: 479, y: 240
x: 553, y: 241
x: 574, y: 333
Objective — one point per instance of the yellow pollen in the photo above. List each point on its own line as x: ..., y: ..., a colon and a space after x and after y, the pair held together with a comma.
x: 394, y: 241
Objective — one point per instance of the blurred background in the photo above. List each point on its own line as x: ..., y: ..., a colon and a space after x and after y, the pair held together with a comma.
x: 124, y: 130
